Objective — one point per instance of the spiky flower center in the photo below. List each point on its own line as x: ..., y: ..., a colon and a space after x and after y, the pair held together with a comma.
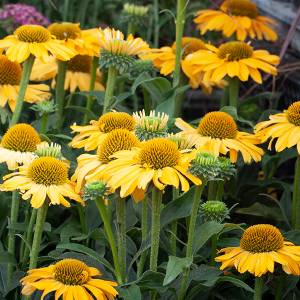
x: 116, y: 120
x: 190, y: 45
x: 71, y: 272
x: 116, y: 140
x: 159, y: 153
x: 218, y: 124
x: 262, y: 238
x: 293, y: 113
x: 235, y: 51
x: 48, y: 171
x: 21, y: 137
x: 65, y: 30
x: 32, y: 34
x: 244, y: 8
x: 10, y: 72
x: 80, y: 63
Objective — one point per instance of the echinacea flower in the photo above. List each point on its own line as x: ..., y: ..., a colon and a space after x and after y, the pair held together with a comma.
x: 90, y: 166
x: 78, y: 74
x: 218, y: 133
x: 240, y: 17
x: 283, y: 127
x: 10, y: 78
x: 18, y: 145
x: 89, y: 137
x: 261, y: 246
x: 157, y: 161
x: 233, y: 59
x: 34, y: 40
x: 43, y: 179
x: 69, y: 279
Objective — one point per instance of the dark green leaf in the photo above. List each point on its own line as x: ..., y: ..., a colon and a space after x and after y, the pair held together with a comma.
x: 236, y: 282
x: 83, y: 110
x: 131, y: 293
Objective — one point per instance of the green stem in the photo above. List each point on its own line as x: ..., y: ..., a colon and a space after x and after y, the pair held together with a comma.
x: 296, y: 196
x: 258, y: 290
x: 173, y: 241
x: 27, y: 67
x: 60, y: 92
x: 110, y: 86
x: 29, y: 234
x: 37, y: 237
x: 82, y: 218
x: 14, y: 212
x: 225, y: 96
x: 144, y: 225
x: 189, y: 248
x: 147, y: 101
x: 220, y: 190
x: 234, y: 85
x: 90, y: 99
x: 110, y: 237
x: 156, y: 23
x: 131, y: 29
x: 27, y: 212
x: 44, y: 121
x: 279, y: 287
x: 121, y: 220
x: 180, y: 21
x: 212, y: 189
x: 155, y: 227
x: 66, y: 10
x: 214, y: 243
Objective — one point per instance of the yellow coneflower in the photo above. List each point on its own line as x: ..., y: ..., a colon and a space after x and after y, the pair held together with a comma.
x: 78, y: 74
x: 90, y: 167
x: 10, y: 78
x: 89, y: 137
x: 156, y: 161
x: 261, y: 246
x: 218, y: 133
x: 34, y: 40
x: 18, y: 145
x: 233, y: 59
x: 240, y: 17
x: 69, y: 279
x: 44, y: 178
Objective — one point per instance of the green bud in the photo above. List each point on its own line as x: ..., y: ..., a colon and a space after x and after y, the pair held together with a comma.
x: 141, y: 66
x: 227, y: 169
x: 52, y: 150
x: 214, y: 211
x: 135, y: 10
x: 45, y: 107
x: 94, y: 190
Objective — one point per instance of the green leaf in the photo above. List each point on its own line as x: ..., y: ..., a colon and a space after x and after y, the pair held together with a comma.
x: 6, y: 258
x: 236, y: 282
x: 207, y: 275
x: 175, y: 266
x: 87, y: 251
x: 233, y: 112
x: 204, y: 232
x: 151, y: 280
x: 83, y: 110
x: 131, y: 293
x: 178, y: 208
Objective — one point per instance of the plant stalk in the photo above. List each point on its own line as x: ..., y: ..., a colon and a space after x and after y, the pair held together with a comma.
x: 156, y: 23
x: 110, y: 86
x: 258, y: 289
x: 234, y: 86
x: 296, y: 196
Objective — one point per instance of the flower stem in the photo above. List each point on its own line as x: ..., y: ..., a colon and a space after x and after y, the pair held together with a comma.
x: 110, y: 86
x: 155, y: 227
x: 37, y: 237
x: 180, y: 21
x: 174, y: 226
x: 156, y: 23
x: 121, y: 220
x: 27, y: 67
x: 258, y: 290
x: 90, y: 98
x: 60, y: 92
x: 29, y: 234
x: 214, y: 243
x: 234, y: 85
x: 144, y: 225
x: 14, y: 212
x: 296, y: 196
x: 279, y: 287
x: 220, y: 190
x: 110, y: 237
x: 130, y: 29
x: 147, y: 101
x: 44, y: 121
x: 189, y: 248
x: 83, y: 224
x: 224, y: 99
x: 212, y: 189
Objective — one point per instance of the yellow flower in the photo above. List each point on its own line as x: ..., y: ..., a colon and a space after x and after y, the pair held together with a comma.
x: 233, y: 59
x: 78, y: 75
x: 156, y: 161
x: 84, y: 42
x: 113, y: 41
x: 285, y: 127
x: 45, y: 178
x: 240, y: 17
x: 10, y: 77
x: 218, y: 133
x: 90, y: 137
x: 261, y: 246
x: 34, y: 40
x: 18, y: 145
x: 90, y: 167
x: 69, y: 279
